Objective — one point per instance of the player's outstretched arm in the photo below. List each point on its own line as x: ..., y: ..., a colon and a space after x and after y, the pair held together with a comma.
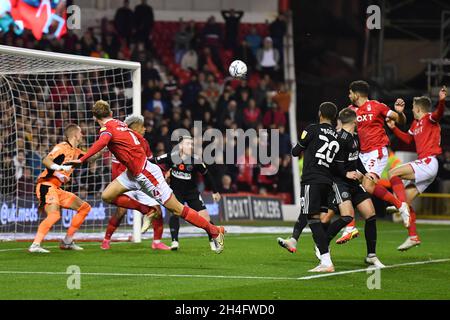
x: 49, y: 164
x: 402, y: 136
x: 436, y: 116
x: 98, y: 145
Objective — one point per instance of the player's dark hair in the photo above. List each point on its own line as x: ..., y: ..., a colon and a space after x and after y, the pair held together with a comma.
x: 328, y: 110
x: 69, y: 129
x: 361, y: 87
x: 423, y: 102
x: 101, y: 110
x: 347, y: 115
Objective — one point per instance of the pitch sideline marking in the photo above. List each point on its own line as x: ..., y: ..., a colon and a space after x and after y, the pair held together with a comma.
x: 223, y: 276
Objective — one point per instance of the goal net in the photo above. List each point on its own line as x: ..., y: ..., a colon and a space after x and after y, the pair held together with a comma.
x: 40, y: 94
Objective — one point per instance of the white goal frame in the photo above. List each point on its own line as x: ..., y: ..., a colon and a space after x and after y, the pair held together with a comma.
x: 136, y: 79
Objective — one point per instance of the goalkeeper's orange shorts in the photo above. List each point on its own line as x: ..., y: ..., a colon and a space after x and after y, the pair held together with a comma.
x: 48, y: 193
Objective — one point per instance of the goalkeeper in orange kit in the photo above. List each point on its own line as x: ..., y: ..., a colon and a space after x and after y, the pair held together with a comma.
x: 52, y: 198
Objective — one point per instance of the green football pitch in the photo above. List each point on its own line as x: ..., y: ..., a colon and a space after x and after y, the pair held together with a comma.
x: 251, y: 267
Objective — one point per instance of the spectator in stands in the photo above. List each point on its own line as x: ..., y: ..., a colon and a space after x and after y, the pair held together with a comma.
x: 92, y: 178
x: 140, y: 53
x: 284, y: 142
x: 210, y: 61
x: 200, y: 107
x: 176, y: 103
x: 144, y: 20
x: 157, y: 103
x: 123, y: 21
x: 267, y: 182
x: 224, y: 99
x: 212, y: 33
x: 260, y: 94
x: 285, y: 175
x: 170, y: 86
x: 149, y: 72
x: 34, y: 158
x: 19, y: 163
x: 274, y: 117
x: 25, y: 185
x: 283, y: 98
x: 183, y: 39
x: 268, y: 59
x: 246, y: 164
x: 244, y: 52
x: 191, y: 90
x: 7, y: 178
x: 243, y: 99
x: 277, y: 31
x: 88, y: 43
x: 444, y: 173
x: 189, y: 61
x: 227, y: 185
x: 111, y: 45
x: 163, y: 139
x: 232, y: 20
x: 230, y: 115
x: 254, y: 40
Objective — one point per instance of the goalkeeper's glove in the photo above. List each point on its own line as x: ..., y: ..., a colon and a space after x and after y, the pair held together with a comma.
x: 58, y: 167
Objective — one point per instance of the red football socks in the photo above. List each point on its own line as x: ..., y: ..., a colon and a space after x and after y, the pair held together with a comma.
x: 412, y: 231
x: 398, y: 188
x: 113, y: 224
x: 125, y: 201
x: 158, y: 228
x: 382, y: 193
x: 192, y: 216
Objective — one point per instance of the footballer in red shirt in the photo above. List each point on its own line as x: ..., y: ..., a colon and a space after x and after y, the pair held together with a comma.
x: 373, y: 140
x: 136, y: 123
x: 141, y: 174
x: 425, y: 131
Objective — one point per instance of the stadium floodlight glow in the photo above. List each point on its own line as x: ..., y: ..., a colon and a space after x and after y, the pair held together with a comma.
x: 40, y: 93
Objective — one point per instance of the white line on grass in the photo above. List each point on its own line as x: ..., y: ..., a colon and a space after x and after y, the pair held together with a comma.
x: 160, y: 275
x: 372, y: 268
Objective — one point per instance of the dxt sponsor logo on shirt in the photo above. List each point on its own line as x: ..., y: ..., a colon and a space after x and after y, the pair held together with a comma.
x: 364, y: 117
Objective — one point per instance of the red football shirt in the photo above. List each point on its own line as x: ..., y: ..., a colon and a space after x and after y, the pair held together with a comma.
x: 370, y: 119
x: 123, y: 144
x: 117, y: 168
x: 427, y: 136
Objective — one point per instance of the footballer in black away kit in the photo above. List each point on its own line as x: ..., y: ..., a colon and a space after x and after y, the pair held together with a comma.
x: 348, y: 170
x: 319, y: 145
x: 184, y: 183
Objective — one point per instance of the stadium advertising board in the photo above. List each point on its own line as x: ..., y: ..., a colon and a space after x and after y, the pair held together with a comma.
x: 251, y: 207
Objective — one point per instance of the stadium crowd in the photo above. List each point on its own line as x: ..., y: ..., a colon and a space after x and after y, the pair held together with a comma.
x: 168, y: 102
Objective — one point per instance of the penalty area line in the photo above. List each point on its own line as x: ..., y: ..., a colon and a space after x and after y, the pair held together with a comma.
x: 324, y: 275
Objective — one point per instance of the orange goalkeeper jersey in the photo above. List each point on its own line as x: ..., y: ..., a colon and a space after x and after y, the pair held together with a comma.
x: 60, y: 154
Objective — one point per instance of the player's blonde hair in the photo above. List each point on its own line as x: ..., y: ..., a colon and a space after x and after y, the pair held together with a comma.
x: 134, y: 119
x: 70, y: 129
x: 423, y: 102
x: 101, y: 110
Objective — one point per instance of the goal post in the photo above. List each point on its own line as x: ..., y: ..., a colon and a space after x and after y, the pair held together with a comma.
x: 40, y: 93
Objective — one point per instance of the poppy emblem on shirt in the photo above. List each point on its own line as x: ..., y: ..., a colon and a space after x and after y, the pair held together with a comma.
x: 181, y: 167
